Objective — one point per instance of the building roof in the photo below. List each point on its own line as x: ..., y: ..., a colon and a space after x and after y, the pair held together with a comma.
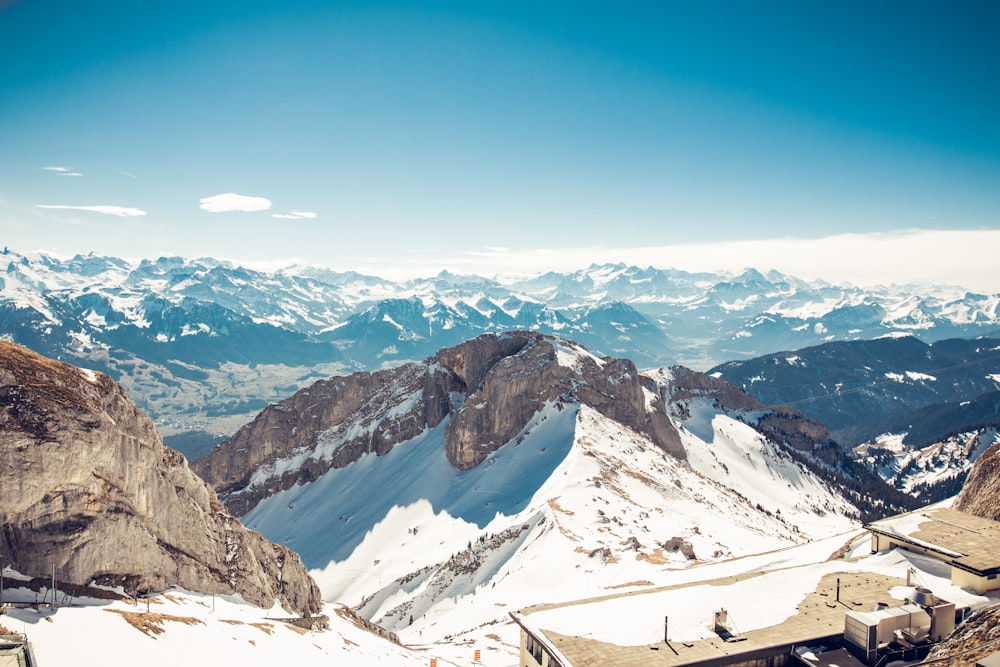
x: 967, y: 541
x: 765, y: 617
x: 992, y: 660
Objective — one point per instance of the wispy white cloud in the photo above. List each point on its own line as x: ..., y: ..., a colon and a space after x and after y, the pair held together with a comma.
x: 63, y: 171
x: 295, y: 215
x: 230, y: 202
x: 120, y: 211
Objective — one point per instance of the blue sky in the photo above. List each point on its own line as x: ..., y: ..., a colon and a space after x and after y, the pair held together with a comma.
x: 490, y: 136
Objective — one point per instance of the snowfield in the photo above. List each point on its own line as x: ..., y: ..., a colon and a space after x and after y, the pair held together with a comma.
x: 575, y: 506
x: 182, y: 628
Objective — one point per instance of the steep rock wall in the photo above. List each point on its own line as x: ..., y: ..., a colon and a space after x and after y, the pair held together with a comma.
x: 980, y: 495
x: 489, y: 388
x: 87, y: 486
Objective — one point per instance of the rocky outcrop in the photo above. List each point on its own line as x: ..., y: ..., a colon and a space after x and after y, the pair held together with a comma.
x: 504, y: 389
x: 87, y: 487
x: 489, y: 387
x: 358, y: 414
x: 980, y: 495
x: 972, y: 641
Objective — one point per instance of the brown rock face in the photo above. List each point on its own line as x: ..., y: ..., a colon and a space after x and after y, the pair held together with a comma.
x: 513, y: 388
x: 980, y: 495
x: 87, y: 486
x: 329, y: 425
x: 490, y: 386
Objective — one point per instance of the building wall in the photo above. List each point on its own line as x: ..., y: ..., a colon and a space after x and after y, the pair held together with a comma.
x: 533, y: 654
x: 959, y: 577
x: 976, y: 582
x: 884, y: 543
x: 771, y: 661
x: 528, y: 651
x: 881, y: 543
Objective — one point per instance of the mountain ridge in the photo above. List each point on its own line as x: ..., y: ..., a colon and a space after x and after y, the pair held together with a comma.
x: 573, y: 486
x: 182, y: 334
x: 574, y: 498
x: 919, y: 414
x: 490, y: 387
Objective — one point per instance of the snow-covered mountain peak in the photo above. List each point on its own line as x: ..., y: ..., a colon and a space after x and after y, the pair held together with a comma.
x: 603, y: 508
x: 435, y: 497
x: 301, y: 323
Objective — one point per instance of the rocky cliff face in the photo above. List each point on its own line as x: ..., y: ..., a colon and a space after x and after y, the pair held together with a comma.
x: 972, y: 641
x: 981, y: 493
x: 87, y: 486
x: 488, y: 388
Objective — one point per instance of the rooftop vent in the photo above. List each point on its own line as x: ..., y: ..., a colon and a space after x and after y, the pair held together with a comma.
x: 923, y: 597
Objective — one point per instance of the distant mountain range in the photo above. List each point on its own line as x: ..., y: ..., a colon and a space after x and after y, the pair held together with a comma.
x: 200, y: 341
x: 920, y: 414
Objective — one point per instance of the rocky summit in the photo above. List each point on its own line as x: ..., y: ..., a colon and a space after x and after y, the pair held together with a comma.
x: 88, y: 488
x: 489, y: 387
x: 981, y: 493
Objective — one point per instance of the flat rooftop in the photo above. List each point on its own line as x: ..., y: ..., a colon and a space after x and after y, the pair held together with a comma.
x: 965, y: 540
x: 601, y: 631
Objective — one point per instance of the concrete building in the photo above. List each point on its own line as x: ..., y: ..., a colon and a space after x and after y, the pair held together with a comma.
x: 968, y: 543
x: 575, y: 634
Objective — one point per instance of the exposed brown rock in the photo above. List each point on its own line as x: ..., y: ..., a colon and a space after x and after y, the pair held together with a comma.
x: 977, y: 638
x: 980, y: 495
x: 355, y: 413
x: 496, y: 373
x: 491, y: 387
x: 675, y: 544
x: 87, y: 486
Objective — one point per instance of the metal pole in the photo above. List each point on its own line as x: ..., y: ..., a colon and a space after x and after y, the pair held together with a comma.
x: 54, y: 591
x: 838, y: 589
x: 666, y: 626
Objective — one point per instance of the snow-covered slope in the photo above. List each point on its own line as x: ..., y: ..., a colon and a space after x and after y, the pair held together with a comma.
x: 937, y: 469
x: 573, y: 506
x: 182, y: 628
x: 185, y: 628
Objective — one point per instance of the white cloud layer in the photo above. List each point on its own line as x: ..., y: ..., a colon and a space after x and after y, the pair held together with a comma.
x: 295, y: 215
x: 230, y: 202
x: 120, y: 211
x: 965, y: 258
